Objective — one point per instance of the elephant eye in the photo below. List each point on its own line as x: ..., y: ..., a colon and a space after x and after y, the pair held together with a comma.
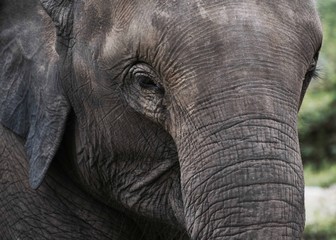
x: 143, y: 91
x: 147, y: 83
x: 312, y: 72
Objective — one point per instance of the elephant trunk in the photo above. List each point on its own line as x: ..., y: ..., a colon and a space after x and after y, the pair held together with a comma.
x: 242, y: 178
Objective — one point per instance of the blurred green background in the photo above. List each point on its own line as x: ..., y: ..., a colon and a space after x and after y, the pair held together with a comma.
x: 317, y: 130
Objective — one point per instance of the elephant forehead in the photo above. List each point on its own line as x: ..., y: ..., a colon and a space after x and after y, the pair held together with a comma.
x: 206, y: 39
x: 165, y: 23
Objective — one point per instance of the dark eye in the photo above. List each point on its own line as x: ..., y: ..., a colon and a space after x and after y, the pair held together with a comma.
x: 312, y: 72
x: 312, y: 66
x: 147, y: 83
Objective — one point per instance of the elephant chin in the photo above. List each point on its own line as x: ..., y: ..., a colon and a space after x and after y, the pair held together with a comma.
x: 242, y: 182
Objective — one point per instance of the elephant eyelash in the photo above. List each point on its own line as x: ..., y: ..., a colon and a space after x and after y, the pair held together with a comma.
x: 316, y: 74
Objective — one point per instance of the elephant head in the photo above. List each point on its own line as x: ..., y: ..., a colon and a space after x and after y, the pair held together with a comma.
x: 179, y: 111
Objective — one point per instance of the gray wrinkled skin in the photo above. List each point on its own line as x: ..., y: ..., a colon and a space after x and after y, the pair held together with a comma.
x: 125, y: 119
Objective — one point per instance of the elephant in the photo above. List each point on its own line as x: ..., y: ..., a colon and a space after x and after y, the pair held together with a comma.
x: 153, y: 119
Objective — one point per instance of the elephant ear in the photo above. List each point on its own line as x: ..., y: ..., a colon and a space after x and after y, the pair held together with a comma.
x: 61, y: 13
x: 32, y: 102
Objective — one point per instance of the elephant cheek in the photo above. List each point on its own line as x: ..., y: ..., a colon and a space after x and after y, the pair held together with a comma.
x: 243, y: 182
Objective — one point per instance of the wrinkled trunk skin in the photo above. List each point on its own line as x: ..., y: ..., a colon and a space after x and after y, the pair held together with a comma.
x: 242, y: 177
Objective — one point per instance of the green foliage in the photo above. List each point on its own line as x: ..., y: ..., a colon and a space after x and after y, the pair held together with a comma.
x: 324, y: 176
x: 323, y: 230
x: 317, y: 122
x: 317, y: 119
